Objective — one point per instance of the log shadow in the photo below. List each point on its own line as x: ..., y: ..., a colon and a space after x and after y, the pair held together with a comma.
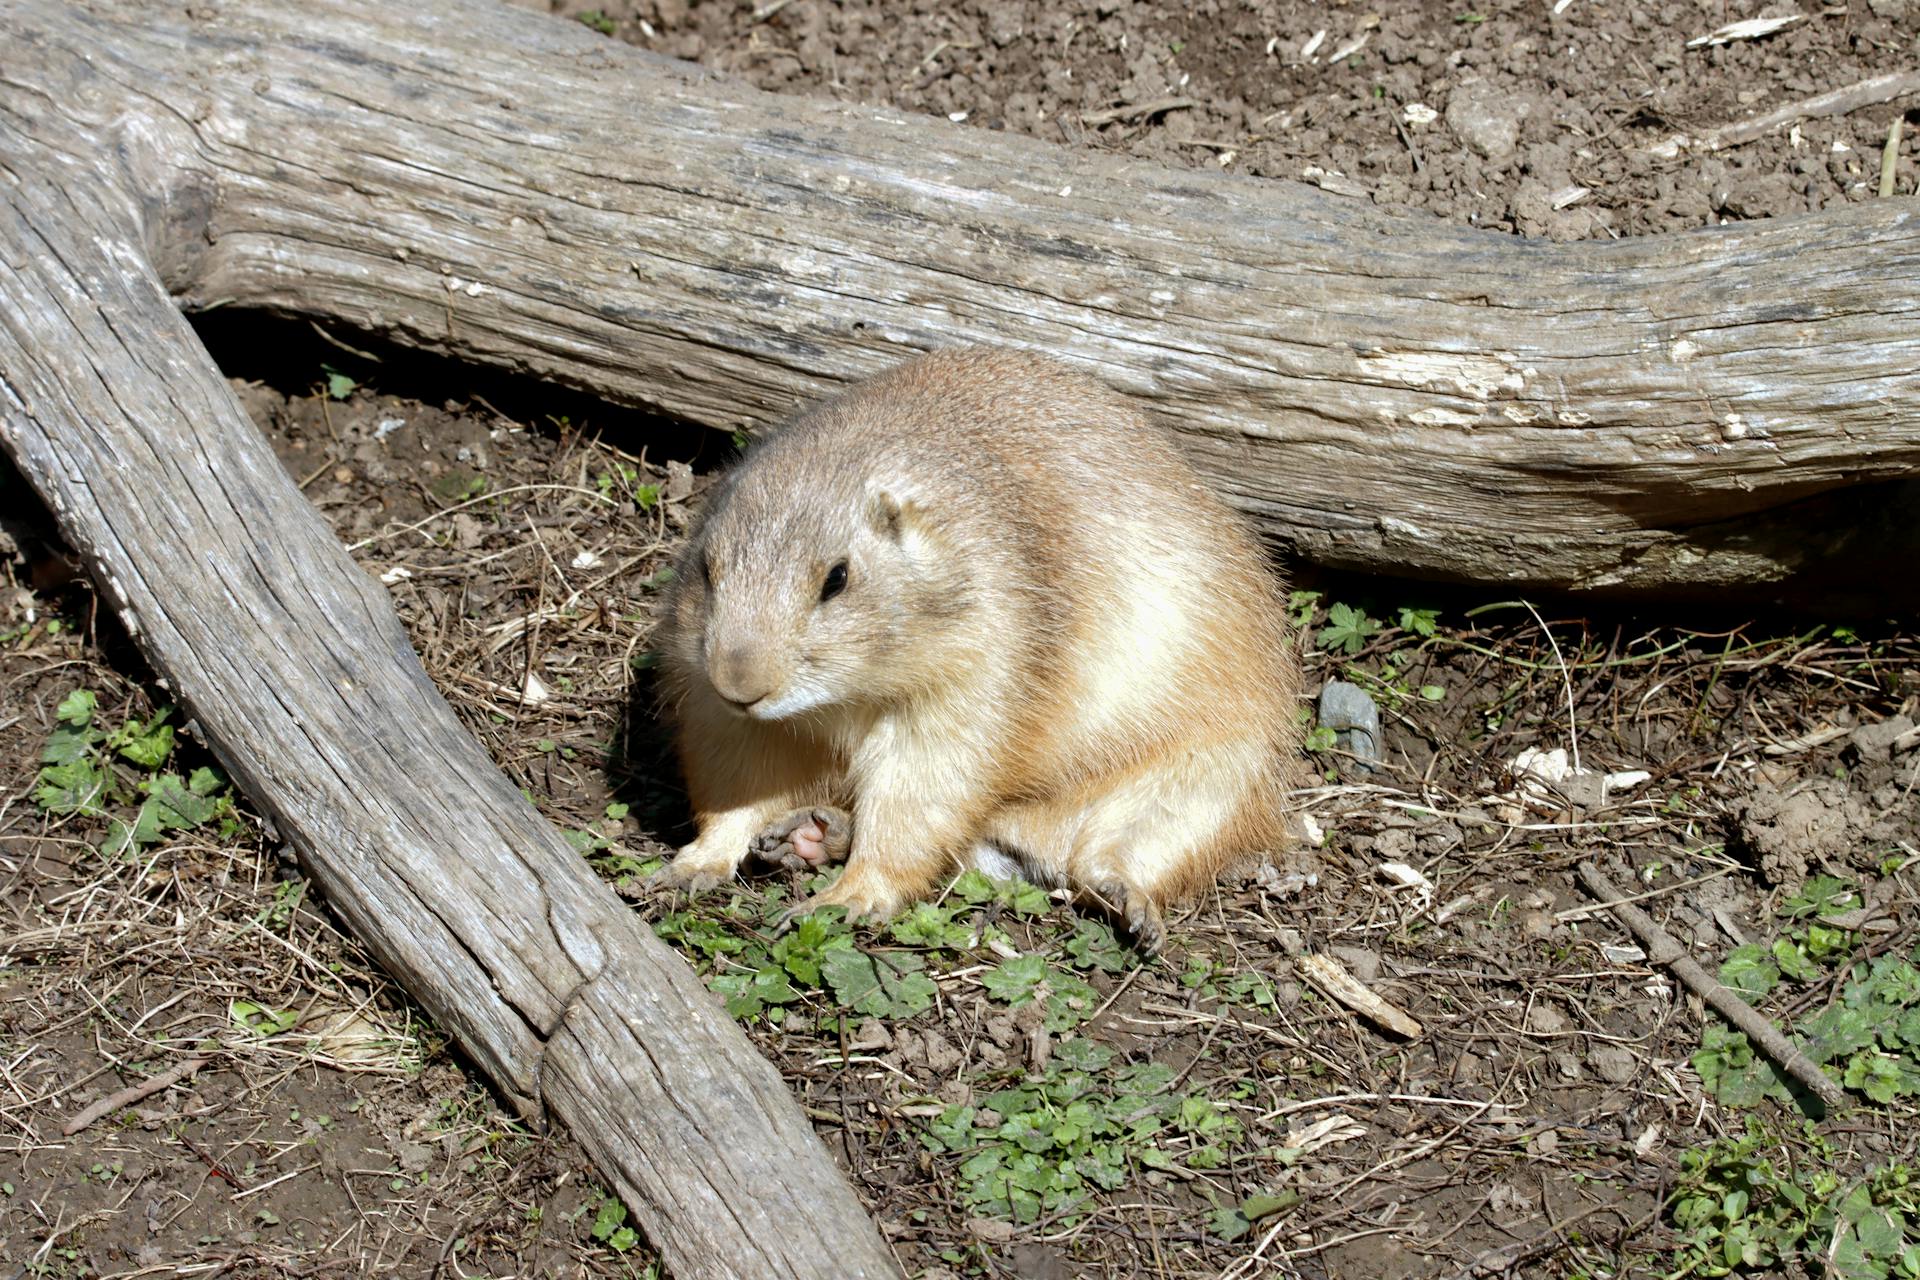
x: 294, y: 357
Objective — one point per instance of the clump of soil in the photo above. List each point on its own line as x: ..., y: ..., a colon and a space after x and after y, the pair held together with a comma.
x: 1786, y: 832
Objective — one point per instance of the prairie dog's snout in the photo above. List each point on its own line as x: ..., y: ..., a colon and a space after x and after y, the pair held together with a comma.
x: 743, y: 676
x: 982, y: 604
x: 743, y: 654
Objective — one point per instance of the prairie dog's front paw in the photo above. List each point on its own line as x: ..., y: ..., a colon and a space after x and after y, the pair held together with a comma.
x: 806, y: 839
x: 694, y: 871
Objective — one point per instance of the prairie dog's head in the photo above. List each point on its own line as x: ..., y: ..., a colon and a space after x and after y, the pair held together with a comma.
x: 814, y: 581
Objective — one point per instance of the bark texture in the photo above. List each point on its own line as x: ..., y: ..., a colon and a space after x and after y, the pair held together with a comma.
x: 1724, y: 413
x: 296, y: 671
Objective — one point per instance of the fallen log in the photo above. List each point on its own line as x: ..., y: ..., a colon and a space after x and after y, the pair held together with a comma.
x: 296, y: 671
x: 1718, y: 413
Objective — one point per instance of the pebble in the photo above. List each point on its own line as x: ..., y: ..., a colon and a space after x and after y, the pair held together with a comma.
x: 1487, y: 118
x: 1355, y: 720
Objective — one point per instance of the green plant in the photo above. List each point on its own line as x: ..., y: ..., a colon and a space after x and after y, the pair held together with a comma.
x: 1389, y: 686
x: 934, y: 926
x: 1759, y: 1200
x: 278, y: 915
x: 759, y: 971
x: 339, y: 385
x: 599, y: 21
x: 597, y: 846
x: 459, y: 484
x: 84, y: 773
x: 1094, y: 946
x: 1246, y: 987
x: 881, y: 985
x: 1868, y: 1037
x: 625, y: 477
x: 1024, y: 979
x: 1043, y: 1146
x: 1347, y: 630
x: 610, y: 1225
x: 1237, y: 1220
x: 1022, y: 897
x: 261, y: 1020
x: 1421, y: 622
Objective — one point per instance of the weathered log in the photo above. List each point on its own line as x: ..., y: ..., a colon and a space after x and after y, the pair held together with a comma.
x: 1383, y: 391
x: 301, y: 678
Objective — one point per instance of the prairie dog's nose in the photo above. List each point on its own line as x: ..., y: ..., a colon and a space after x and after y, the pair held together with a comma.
x: 740, y: 675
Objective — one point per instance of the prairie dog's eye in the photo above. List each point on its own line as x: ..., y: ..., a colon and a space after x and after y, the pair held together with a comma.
x: 836, y: 582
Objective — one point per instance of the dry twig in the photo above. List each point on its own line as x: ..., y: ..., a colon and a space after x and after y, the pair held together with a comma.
x: 1888, y: 155
x: 1664, y: 949
x: 1835, y: 102
x: 133, y: 1093
x: 1136, y: 111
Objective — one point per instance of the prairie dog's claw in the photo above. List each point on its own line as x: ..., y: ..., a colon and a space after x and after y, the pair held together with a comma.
x: 1137, y: 912
x: 862, y: 907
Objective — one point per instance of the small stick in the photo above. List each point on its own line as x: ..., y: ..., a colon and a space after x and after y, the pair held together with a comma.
x: 1663, y: 949
x: 133, y: 1093
x: 1836, y: 102
x: 1889, y: 154
x: 1326, y: 973
x: 1136, y: 111
x: 214, y: 1167
x: 1406, y: 138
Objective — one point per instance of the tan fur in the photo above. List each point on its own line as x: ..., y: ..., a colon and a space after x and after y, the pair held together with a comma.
x: 1053, y: 639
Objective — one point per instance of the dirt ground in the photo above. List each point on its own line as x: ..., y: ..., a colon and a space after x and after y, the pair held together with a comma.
x: 1541, y: 1121
x: 1530, y: 115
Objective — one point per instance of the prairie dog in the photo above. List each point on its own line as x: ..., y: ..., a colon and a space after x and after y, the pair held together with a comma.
x: 979, y: 610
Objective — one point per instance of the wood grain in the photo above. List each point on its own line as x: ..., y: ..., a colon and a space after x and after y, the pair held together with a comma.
x: 295, y: 670
x: 1723, y: 413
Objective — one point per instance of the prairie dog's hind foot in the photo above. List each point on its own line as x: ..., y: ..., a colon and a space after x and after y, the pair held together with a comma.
x: 1133, y: 908
x: 806, y: 839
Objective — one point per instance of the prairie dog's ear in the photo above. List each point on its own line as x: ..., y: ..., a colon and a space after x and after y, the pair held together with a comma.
x: 893, y: 510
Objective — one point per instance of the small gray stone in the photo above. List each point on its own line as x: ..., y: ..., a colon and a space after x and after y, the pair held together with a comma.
x: 1538, y: 924
x: 1584, y: 790
x: 1614, y: 1064
x: 1487, y: 118
x: 1355, y: 720
x: 1756, y: 196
